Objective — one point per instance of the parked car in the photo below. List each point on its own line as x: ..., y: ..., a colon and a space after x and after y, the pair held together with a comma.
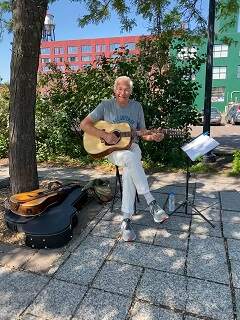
x: 233, y: 114
x: 216, y: 116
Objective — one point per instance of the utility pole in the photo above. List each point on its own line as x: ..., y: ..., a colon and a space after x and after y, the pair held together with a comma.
x: 208, y: 80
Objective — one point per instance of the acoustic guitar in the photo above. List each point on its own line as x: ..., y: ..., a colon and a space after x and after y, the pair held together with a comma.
x: 35, y: 202
x: 98, y: 147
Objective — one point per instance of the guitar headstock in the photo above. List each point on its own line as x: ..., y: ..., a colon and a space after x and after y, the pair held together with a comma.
x: 176, y: 133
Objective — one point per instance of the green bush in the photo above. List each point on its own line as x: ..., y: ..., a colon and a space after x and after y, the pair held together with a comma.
x: 236, y: 162
x: 70, y: 98
x: 4, y: 114
x: 162, y: 83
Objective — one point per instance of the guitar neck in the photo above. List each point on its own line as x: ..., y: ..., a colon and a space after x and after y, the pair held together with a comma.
x: 167, y: 132
x: 140, y: 133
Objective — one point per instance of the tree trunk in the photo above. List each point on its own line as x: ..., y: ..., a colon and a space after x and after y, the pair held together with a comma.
x: 28, y: 21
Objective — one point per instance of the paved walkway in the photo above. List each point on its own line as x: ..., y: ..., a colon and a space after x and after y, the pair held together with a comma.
x: 227, y: 135
x: 181, y: 270
x: 61, y: 173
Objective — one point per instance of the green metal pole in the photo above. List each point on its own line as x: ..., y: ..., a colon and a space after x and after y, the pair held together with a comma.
x: 209, y: 69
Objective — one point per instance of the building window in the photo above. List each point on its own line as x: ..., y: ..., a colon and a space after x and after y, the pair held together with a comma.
x: 99, y: 57
x: 86, y: 48
x: 238, y: 72
x: 45, y: 50
x: 58, y: 59
x: 74, y: 67
x: 45, y: 69
x: 72, y: 59
x: 218, y: 94
x: 101, y: 47
x: 45, y: 60
x: 219, y: 72
x: 72, y: 49
x: 58, y: 50
x: 86, y: 58
x: 61, y: 68
x: 187, y: 53
x: 220, y: 51
x: 114, y: 46
x: 86, y: 65
x: 130, y: 45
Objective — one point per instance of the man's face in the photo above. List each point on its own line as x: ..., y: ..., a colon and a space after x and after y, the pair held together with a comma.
x: 122, y: 92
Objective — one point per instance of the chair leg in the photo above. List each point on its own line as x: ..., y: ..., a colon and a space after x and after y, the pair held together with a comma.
x: 135, y: 202
x: 117, y: 180
x: 115, y: 189
x: 137, y: 197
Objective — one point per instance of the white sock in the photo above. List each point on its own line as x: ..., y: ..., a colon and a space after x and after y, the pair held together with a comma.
x: 149, y: 198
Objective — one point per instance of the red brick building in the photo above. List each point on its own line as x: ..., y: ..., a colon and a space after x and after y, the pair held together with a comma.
x: 82, y: 52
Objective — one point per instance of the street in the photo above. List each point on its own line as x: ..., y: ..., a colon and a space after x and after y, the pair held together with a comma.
x: 227, y: 135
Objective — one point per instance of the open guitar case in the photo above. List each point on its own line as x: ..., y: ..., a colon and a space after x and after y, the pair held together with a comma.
x: 54, y: 227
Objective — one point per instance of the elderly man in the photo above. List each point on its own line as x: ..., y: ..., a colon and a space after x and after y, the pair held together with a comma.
x: 123, y: 109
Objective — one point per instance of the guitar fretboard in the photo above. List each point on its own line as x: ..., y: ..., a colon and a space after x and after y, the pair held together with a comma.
x: 168, y: 132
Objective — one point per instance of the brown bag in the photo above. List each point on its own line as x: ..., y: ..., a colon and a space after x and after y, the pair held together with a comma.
x: 101, y: 190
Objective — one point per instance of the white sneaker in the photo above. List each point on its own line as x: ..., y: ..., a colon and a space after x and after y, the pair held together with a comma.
x: 128, y: 233
x: 159, y: 215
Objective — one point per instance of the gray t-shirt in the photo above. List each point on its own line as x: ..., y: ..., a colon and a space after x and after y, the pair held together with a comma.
x: 109, y: 110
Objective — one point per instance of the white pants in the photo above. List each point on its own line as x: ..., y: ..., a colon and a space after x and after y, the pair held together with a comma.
x: 133, y: 176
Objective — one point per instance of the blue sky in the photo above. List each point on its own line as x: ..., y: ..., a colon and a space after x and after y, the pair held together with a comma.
x: 66, y: 14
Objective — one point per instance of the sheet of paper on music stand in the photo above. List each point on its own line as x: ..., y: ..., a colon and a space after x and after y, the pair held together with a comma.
x: 199, y: 146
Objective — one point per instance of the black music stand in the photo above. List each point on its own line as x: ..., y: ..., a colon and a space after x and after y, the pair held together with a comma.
x: 192, y: 151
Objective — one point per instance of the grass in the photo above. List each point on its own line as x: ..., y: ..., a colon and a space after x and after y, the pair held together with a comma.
x: 150, y: 167
x: 226, y: 164
x: 236, y: 164
x: 234, y: 174
x: 202, y: 167
x: 85, y: 162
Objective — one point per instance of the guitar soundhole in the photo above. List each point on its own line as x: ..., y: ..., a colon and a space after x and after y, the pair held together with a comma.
x: 118, y: 134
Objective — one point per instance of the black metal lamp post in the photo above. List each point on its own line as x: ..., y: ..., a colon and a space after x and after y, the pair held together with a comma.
x: 208, y: 81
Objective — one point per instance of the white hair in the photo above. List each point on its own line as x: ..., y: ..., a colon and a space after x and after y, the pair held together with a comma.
x: 124, y: 78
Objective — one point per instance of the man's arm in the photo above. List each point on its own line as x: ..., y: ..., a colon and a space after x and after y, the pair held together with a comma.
x: 153, y: 137
x: 87, y: 125
x: 149, y: 137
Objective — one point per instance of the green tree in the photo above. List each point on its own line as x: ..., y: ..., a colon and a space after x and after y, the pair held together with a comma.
x: 27, y: 23
x: 4, y: 102
x: 161, y: 14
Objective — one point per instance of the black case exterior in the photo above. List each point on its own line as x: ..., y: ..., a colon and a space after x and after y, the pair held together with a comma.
x: 53, y: 228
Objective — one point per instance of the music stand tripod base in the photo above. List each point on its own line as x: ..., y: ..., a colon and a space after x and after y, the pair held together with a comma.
x: 199, y: 146
x: 188, y: 203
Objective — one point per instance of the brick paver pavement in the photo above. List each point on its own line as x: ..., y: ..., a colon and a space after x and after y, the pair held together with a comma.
x: 180, y: 270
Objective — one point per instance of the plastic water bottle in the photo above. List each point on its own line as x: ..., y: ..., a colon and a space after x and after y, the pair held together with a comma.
x: 171, y: 202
